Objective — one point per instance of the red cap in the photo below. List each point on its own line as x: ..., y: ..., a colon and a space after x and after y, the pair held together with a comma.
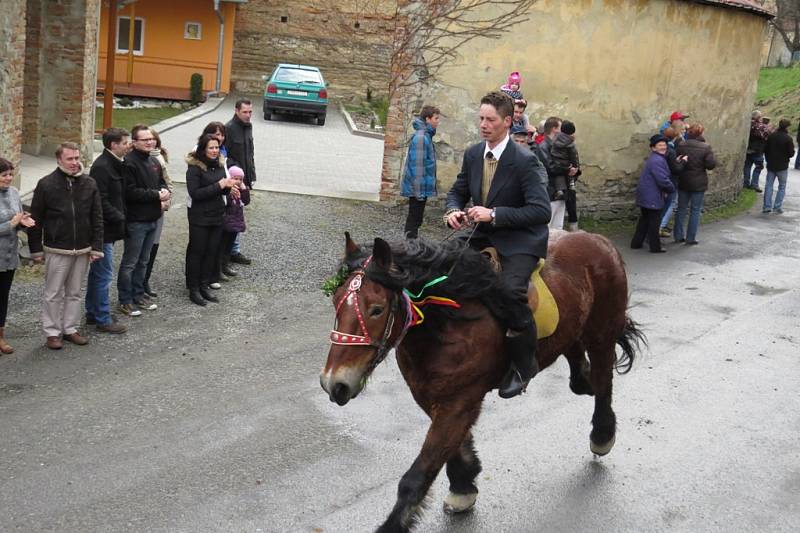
x: 677, y: 115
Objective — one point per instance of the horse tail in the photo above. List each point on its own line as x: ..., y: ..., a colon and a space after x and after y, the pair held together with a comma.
x: 630, y: 341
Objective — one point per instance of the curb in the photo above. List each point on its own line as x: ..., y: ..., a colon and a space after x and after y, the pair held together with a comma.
x: 354, y: 130
x: 211, y: 104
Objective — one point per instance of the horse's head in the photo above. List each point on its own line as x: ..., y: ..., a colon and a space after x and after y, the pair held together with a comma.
x: 369, y: 321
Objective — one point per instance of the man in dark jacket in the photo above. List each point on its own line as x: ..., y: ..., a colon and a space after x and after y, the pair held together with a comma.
x: 511, y: 206
x: 69, y: 235
x: 241, y: 153
x: 108, y: 172
x: 145, y: 190
x: 778, y: 150
x: 755, y: 151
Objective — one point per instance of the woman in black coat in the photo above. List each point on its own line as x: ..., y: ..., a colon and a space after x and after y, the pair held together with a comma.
x: 207, y: 184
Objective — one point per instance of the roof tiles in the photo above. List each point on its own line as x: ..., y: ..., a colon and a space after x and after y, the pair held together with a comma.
x: 745, y: 5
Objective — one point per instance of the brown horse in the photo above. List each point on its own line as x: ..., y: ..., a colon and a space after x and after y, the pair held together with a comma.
x: 455, y: 356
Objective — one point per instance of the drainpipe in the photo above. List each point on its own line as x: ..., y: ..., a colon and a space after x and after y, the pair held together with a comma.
x: 221, y: 18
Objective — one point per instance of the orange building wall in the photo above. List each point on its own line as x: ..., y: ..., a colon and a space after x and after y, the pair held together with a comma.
x: 169, y: 60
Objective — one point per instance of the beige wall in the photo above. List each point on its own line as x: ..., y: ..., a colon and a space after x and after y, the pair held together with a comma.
x: 617, y: 68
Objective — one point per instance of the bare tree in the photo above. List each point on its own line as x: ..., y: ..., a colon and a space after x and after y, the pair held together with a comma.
x: 428, y: 33
x: 787, y: 23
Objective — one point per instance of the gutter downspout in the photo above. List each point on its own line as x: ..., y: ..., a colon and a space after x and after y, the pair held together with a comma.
x: 221, y: 18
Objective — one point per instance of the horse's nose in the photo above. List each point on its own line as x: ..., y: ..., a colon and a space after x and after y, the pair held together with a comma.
x: 340, y: 393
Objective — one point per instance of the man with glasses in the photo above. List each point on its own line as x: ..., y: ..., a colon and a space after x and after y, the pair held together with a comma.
x: 145, y: 190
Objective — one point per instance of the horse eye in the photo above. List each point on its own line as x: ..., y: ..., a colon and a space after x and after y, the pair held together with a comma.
x: 376, y: 311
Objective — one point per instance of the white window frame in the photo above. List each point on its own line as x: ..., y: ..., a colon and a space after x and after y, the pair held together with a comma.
x: 132, y: 28
x: 199, y: 30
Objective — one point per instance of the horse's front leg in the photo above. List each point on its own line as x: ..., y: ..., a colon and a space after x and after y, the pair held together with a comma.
x: 447, y: 432
x: 462, y: 469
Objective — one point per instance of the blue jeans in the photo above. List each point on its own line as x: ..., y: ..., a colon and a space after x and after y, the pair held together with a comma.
x: 237, y: 246
x: 669, y: 207
x: 782, y: 175
x: 751, y: 179
x: 133, y: 267
x: 101, y: 272
x: 685, y: 198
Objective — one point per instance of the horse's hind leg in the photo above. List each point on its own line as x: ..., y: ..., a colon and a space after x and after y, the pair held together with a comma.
x: 462, y: 470
x: 578, y: 369
x: 604, y: 421
x: 448, y: 430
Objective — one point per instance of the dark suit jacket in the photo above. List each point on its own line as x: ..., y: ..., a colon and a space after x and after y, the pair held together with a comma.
x: 109, y: 173
x: 522, y: 207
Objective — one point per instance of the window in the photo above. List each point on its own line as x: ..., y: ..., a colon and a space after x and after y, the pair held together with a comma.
x: 298, y: 75
x: 123, y: 35
x: 193, y: 30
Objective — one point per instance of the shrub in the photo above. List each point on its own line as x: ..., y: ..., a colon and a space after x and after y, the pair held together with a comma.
x: 196, y: 88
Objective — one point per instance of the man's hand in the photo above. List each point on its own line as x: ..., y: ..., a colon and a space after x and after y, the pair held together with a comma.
x: 163, y: 195
x: 27, y: 221
x: 456, y: 219
x: 572, y: 171
x: 39, y: 260
x: 93, y: 258
x: 479, y: 213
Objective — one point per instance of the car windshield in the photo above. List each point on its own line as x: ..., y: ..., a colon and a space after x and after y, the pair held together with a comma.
x: 298, y: 75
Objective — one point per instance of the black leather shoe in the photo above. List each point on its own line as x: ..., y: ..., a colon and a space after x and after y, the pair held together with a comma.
x: 204, y: 292
x: 148, y: 291
x: 196, y: 297
x: 241, y: 259
x: 228, y: 271
x: 522, y: 351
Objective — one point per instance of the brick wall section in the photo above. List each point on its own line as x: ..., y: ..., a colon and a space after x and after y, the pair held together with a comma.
x: 33, y: 43
x: 12, y: 66
x: 60, y: 81
x: 315, y: 33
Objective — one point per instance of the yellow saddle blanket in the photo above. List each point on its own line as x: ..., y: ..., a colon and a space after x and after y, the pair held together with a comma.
x: 544, y: 306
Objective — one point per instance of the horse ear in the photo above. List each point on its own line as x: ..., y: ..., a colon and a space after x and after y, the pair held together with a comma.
x: 382, y: 254
x: 350, y: 246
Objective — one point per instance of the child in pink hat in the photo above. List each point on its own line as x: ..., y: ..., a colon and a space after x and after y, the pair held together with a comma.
x: 513, y: 86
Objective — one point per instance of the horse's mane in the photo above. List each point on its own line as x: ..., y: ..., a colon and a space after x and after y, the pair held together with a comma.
x: 416, y: 262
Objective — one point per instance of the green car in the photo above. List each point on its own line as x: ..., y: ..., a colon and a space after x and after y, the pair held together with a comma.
x: 296, y: 89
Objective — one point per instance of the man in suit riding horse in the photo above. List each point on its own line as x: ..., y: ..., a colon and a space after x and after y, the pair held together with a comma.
x: 512, y: 209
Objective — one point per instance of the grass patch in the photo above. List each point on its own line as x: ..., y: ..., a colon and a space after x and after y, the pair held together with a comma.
x: 746, y: 200
x: 379, y: 106
x: 127, y: 118
x: 776, y: 81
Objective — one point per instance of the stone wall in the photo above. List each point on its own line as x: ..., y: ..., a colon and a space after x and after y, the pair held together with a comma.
x: 352, y: 50
x: 617, y: 69
x: 60, y: 74
x: 12, y: 67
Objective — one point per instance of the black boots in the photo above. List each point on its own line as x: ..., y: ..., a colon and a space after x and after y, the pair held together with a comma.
x: 521, y: 348
x: 196, y: 297
x: 205, y: 292
x: 147, y: 290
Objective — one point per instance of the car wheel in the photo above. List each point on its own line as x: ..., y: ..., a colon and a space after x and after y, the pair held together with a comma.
x: 320, y: 120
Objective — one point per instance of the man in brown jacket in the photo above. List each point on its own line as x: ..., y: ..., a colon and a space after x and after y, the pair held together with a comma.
x: 69, y: 235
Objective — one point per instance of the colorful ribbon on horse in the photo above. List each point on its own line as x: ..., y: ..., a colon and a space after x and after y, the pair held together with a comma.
x: 415, y: 314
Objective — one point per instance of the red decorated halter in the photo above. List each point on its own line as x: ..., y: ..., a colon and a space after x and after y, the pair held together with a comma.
x: 348, y: 339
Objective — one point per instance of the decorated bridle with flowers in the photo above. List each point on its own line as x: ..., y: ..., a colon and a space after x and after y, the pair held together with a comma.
x: 414, y: 315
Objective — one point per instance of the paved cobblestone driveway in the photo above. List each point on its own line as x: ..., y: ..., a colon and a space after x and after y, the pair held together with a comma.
x: 294, y: 155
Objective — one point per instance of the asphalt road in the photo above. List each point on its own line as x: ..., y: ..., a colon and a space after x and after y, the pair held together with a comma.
x: 213, y: 419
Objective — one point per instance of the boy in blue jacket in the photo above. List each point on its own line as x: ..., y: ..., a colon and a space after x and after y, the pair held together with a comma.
x: 419, y: 177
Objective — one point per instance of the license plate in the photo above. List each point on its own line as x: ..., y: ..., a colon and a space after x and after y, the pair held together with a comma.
x: 297, y: 93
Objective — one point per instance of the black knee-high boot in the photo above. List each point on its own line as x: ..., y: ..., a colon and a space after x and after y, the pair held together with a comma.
x: 521, y: 347
x: 147, y: 290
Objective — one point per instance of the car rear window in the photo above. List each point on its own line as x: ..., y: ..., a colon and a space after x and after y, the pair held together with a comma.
x: 298, y: 75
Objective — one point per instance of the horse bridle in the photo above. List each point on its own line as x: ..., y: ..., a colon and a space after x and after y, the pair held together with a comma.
x: 382, y: 346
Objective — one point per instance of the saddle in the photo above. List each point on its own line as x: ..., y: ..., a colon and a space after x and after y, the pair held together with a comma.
x: 543, y: 304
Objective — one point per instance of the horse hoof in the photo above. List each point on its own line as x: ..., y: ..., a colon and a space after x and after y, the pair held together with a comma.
x: 602, y: 449
x: 459, y: 503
